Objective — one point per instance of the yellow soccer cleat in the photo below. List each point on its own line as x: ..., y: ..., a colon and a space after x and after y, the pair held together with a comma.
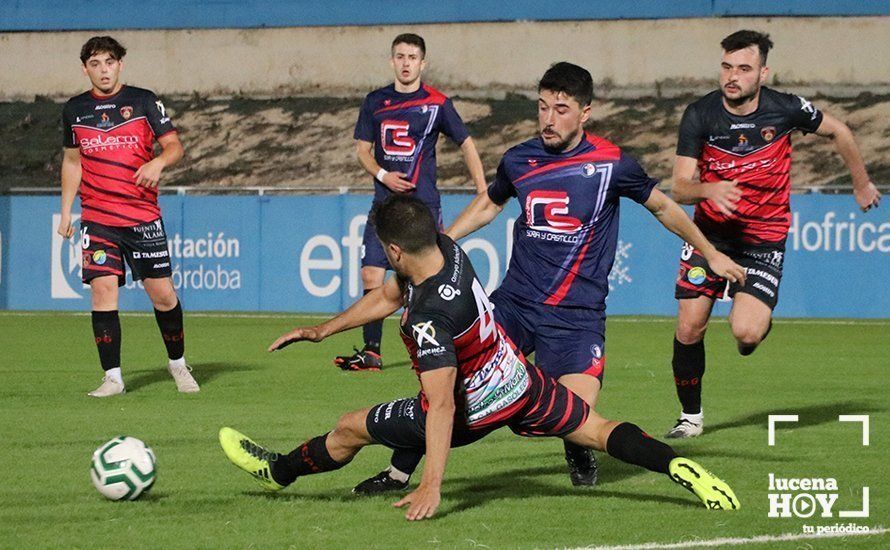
x: 250, y: 457
x: 713, y: 491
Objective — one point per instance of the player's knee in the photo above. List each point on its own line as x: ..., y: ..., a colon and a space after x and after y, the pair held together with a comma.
x: 691, y: 332
x: 349, y: 431
x: 371, y: 278
x: 748, y: 337
x: 164, y: 299
x: 104, y: 296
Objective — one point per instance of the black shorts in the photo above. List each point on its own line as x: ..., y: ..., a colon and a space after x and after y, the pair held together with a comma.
x: 763, y: 268
x: 142, y: 247
x: 548, y: 409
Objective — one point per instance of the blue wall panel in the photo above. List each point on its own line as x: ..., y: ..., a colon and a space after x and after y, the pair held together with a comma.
x: 46, y: 15
x: 302, y: 254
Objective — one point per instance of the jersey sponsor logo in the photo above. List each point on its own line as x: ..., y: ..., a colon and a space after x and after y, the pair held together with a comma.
x: 65, y: 261
x: 163, y: 111
x: 105, y: 122
x: 84, y: 117
x: 742, y: 126
x: 126, y: 112
x: 100, y: 257
x: 743, y: 144
x: 768, y: 133
x: 394, y: 138
x: 89, y: 145
x: 808, y: 107
x: 149, y: 255
x: 547, y: 211
x: 696, y: 275
x: 448, y: 292
x: 425, y: 333
x: 105, y: 106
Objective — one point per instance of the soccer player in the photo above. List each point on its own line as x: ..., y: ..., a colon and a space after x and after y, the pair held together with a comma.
x: 396, y: 134
x: 473, y: 380
x: 739, y: 138
x: 108, y: 156
x: 553, y: 298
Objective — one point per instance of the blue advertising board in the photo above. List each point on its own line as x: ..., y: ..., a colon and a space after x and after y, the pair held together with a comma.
x: 302, y: 254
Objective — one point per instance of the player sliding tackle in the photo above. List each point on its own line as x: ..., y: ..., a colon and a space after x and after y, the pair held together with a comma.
x: 473, y: 381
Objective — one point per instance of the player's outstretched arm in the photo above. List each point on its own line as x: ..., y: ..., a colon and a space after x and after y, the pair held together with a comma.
x: 867, y: 195
x: 377, y: 304
x: 438, y: 385
x: 474, y: 164
x: 685, y: 190
x: 670, y: 215
x: 71, y: 173
x: 149, y: 174
x: 479, y: 213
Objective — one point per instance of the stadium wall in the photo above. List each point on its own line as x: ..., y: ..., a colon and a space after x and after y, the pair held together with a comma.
x: 301, y: 254
x: 43, y: 15
x: 651, y: 56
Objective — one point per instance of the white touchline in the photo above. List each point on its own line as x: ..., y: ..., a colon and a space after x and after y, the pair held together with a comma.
x: 738, y: 541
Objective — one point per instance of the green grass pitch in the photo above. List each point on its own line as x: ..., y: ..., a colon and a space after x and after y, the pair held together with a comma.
x: 503, y: 492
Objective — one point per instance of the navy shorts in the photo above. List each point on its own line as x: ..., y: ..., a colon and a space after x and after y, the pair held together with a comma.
x: 372, y: 250
x: 106, y: 249
x: 565, y: 340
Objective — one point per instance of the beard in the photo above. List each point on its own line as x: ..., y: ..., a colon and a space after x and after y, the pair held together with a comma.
x: 559, y: 144
x: 742, y: 98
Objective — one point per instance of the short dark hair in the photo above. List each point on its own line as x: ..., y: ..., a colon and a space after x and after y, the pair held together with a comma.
x: 405, y: 221
x: 102, y: 44
x: 570, y: 79
x: 740, y: 40
x: 410, y: 39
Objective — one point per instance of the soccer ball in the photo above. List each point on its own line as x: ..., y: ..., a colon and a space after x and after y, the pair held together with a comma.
x: 123, y: 468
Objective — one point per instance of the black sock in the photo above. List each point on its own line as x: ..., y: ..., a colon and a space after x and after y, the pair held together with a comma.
x: 107, y: 331
x: 170, y: 323
x: 405, y: 460
x: 373, y: 333
x: 311, y: 457
x: 689, y: 369
x: 630, y: 444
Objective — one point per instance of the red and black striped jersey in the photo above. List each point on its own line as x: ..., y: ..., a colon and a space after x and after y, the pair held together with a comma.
x: 754, y: 150
x: 115, y: 135
x: 449, y: 322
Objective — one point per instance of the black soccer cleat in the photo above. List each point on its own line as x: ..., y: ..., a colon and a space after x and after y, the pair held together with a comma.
x: 583, y: 469
x: 361, y: 360
x: 379, y: 484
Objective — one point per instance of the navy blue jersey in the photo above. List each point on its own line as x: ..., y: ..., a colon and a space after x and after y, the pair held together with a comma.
x: 404, y: 129
x: 564, y: 241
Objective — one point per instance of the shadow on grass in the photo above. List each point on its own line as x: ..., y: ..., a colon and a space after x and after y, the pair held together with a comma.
x: 811, y: 415
x: 474, y: 491
x: 204, y: 373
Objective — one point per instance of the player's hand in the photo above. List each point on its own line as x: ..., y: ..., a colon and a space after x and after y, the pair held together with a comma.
x: 65, y: 228
x: 397, y: 183
x: 725, y: 195
x: 309, y: 334
x: 724, y: 267
x: 149, y: 173
x: 867, y: 197
x: 422, y: 502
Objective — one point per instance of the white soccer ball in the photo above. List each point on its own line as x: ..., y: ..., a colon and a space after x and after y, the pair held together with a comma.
x: 123, y: 468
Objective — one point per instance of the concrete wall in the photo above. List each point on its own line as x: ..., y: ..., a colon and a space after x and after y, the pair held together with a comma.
x: 63, y: 15
x: 474, y: 56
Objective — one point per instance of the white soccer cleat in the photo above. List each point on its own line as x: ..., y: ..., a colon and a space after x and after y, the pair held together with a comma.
x: 182, y: 374
x: 109, y: 387
x: 684, y: 429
